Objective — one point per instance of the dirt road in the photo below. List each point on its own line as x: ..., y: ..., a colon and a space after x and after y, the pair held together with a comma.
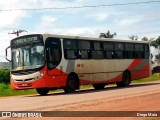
x: 137, y: 97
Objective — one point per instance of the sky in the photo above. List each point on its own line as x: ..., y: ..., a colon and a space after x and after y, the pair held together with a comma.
x: 126, y: 20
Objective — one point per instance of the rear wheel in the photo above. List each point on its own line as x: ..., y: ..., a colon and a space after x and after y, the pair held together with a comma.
x: 42, y: 91
x: 126, y: 80
x: 71, y: 85
x: 99, y: 86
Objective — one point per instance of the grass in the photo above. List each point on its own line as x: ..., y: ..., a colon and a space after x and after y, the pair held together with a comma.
x: 154, y: 77
x: 5, y: 90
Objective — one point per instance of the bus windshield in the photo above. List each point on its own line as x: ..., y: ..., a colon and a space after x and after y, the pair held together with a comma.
x: 27, y: 53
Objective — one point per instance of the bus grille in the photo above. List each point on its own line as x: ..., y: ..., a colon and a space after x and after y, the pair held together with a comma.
x: 24, y: 80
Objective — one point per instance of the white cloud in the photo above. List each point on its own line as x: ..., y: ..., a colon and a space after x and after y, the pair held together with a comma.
x: 130, y: 21
x: 11, y: 19
x: 101, y: 16
x: 79, y: 31
x: 48, y: 22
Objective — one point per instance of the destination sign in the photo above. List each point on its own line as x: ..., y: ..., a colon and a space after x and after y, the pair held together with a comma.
x: 26, y: 40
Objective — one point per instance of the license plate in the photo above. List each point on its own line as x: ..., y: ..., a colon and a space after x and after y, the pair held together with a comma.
x: 24, y: 84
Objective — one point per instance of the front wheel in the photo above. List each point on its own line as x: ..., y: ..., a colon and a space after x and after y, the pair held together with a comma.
x: 71, y: 85
x: 126, y: 80
x: 42, y: 91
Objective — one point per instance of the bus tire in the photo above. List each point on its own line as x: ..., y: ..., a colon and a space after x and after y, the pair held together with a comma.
x: 42, y: 91
x: 126, y: 80
x: 98, y: 86
x: 70, y: 85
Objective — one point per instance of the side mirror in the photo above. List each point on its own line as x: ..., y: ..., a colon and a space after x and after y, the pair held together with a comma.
x: 6, y: 54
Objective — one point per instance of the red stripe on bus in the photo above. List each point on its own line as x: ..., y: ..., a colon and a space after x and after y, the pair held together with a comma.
x: 134, y: 64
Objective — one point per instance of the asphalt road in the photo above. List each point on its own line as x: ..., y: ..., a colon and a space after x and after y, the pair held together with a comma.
x: 57, y: 101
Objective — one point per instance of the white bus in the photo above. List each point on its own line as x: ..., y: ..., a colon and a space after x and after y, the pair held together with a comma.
x: 46, y: 61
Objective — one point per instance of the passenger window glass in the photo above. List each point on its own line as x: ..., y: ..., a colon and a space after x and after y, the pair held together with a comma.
x: 109, y: 54
x: 119, y: 46
x: 138, y: 47
x: 129, y: 47
x: 70, y: 54
x: 70, y: 49
x: 119, y: 54
x: 146, y: 48
x: 70, y: 44
x: 108, y: 46
x: 97, y: 55
x: 97, y: 46
x: 84, y: 54
x: 84, y: 45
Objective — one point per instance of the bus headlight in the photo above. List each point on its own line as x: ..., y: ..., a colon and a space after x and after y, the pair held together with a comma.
x: 42, y: 74
x: 39, y: 76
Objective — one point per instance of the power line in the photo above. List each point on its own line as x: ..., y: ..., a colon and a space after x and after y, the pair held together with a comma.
x: 76, y: 7
x: 7, y: 28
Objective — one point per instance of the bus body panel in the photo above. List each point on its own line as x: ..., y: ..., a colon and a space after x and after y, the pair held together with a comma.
x: 58, y: 78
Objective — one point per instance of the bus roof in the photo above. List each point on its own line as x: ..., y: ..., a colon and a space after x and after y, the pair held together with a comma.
x: 92, y: 38
x: 86, y: 38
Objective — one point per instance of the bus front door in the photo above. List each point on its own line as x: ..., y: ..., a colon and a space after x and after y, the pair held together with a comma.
x: 54, y: 61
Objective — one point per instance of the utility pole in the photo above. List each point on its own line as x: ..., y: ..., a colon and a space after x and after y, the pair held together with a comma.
x: 17, y: 32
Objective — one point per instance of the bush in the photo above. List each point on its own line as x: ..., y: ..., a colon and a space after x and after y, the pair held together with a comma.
x: 4, y: 76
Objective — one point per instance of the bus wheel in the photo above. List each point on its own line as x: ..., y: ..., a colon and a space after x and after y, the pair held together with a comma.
x: 126, y: 80
x: 71, y: 85
x: 42, y: 91
x: 99, y: 86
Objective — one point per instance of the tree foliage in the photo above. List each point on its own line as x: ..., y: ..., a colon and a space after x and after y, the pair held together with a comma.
x: 133, y: 37
x: 4, y: 76
x: 145, y: 39
x: 107, y: 35
x: 155, y: 43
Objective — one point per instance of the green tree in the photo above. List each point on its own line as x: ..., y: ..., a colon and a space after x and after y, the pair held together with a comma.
x: 5, y: 76
x: 145, y: 39
x: 158, y: 41
x: 155, y: 43
x: 133, y: 37
x: 107, y: 35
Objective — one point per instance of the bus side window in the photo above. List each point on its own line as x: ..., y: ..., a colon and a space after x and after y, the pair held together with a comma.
x: 129, y: 51
x: 70, y: 54
x: 97, y: 52
x: 108, y: 48
x: 70, y: 49
x: 139, y: 51
x: 84, y: 54
x: 84, y: 49
x: 119, y: 50
x: 146, y: 51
